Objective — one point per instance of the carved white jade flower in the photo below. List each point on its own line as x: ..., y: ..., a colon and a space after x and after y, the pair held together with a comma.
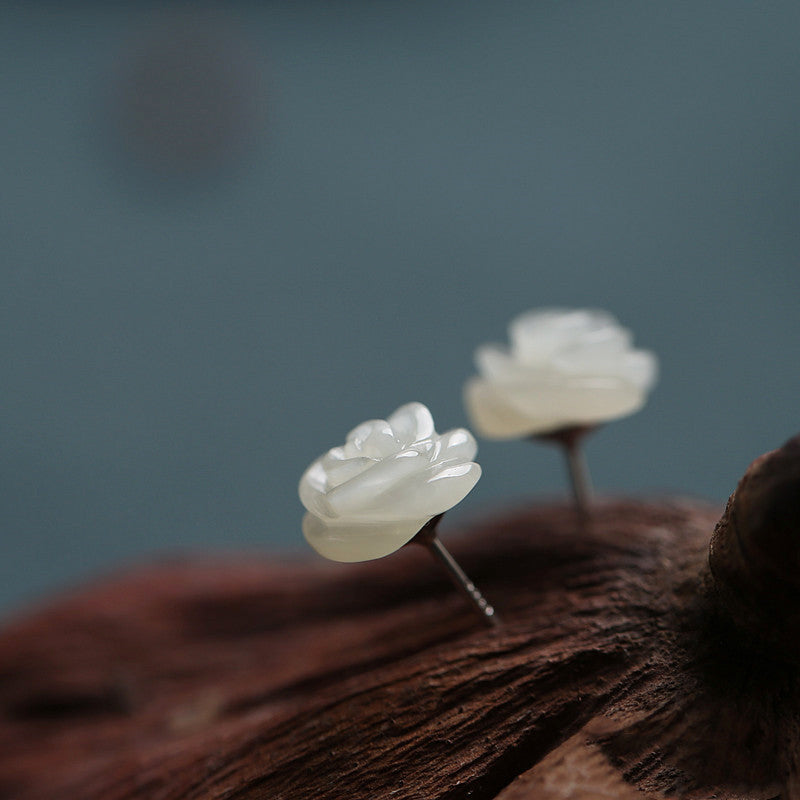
x: 563, y: 369
x: 370, y: 497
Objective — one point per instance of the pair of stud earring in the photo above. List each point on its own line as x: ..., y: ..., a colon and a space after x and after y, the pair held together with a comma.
x: 563, y: 374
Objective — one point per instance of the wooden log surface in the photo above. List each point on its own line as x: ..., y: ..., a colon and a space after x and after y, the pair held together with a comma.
x: 617, y: 673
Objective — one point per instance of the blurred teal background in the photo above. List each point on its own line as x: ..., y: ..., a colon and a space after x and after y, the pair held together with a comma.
x: 229, y: 233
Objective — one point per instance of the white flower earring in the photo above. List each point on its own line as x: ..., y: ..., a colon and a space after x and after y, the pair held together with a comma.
x: 565, y: 372
x: 388, y: 486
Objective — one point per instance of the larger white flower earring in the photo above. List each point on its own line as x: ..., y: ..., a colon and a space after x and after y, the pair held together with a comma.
x: 387, y: 486
x: 564, y: 373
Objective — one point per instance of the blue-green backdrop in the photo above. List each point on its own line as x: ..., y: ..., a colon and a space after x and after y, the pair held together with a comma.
x: 230, y: 232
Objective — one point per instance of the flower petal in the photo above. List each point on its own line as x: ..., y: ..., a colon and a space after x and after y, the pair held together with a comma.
x: 509, y: 411
x: 640, y: 367
x: 312, y: 490
x: 316, y: 476
x: 412, y: 423
x: 495, y: 363
x: 491, y: 414
x: 359, y: 541
x: 339, y: 472
x: 448, y: 486
x: 431, y: 491
x: 373, y: 439
x: 362, y: 497
x: 457, y: 444
x: 536, y: 335
x: 556, y: 400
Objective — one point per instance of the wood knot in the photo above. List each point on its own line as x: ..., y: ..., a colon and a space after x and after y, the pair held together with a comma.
x: 754, y: 554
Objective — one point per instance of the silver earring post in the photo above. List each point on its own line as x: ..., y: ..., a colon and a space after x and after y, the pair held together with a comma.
x: 428, y: 538
x: 571, y: 440
x: 579, y: 476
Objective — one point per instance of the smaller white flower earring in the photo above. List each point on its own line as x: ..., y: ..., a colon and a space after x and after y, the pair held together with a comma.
x: 565, y: 372
x: 388, y: 486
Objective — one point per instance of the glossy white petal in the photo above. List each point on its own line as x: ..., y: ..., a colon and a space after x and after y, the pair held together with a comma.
x: 431, y: 491
x: 313, y: 498
x: 338, y: 472
x: 442, y: 487
x: 457, y: 444
x: 361, y: 497
x: 563, y: 369
x: 371, y: 496
x: 492, y: 415
x: 373, y: 439
x: 358, y: 541
x: 412, y: 423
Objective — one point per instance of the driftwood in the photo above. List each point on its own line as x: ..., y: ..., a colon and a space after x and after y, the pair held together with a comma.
x: 626, y: 667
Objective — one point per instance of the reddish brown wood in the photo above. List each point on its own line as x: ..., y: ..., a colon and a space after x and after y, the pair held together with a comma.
x: 625, y: 669
x: 755, y: 551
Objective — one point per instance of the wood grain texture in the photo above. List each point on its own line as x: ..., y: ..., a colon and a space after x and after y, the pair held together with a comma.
x: 617, y: 674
